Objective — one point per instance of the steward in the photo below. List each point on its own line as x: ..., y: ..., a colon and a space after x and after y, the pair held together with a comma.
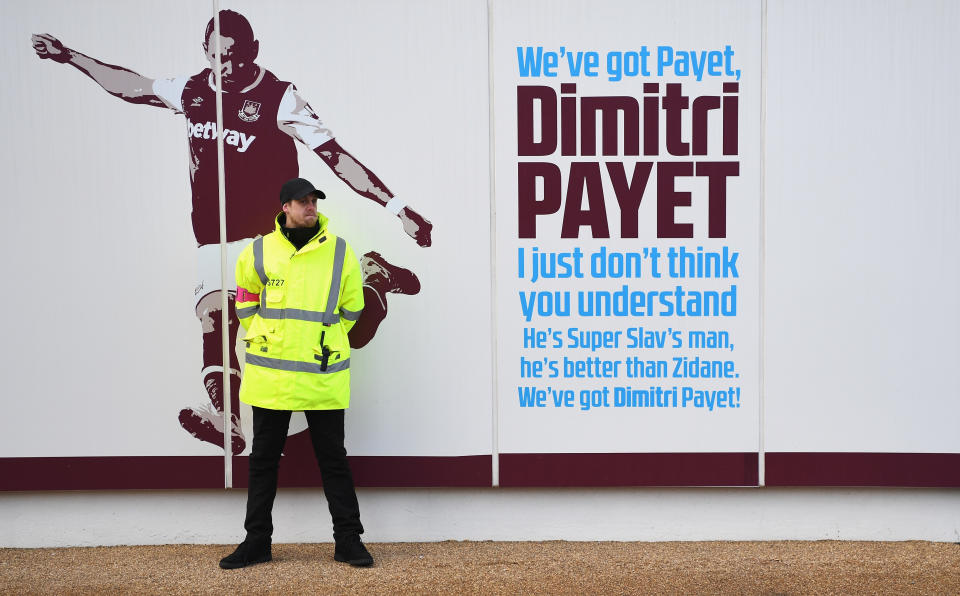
x: 299, y: 291
x: 297, y: 306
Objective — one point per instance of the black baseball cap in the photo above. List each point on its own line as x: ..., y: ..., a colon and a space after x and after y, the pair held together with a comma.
x: 296, y: 188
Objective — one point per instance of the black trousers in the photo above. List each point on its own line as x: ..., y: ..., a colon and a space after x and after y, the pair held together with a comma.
x: 326, y: 433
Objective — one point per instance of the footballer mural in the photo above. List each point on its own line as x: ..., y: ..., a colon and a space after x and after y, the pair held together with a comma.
x: 263, y: 119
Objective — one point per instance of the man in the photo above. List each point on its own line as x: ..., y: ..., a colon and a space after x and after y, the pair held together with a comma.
x: 298, y: 294
x: 262, y: 117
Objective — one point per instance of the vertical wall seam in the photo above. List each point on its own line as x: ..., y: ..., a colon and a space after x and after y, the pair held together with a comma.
x: 761, y: 458
x: 224, y: 303
x: 491, y: 138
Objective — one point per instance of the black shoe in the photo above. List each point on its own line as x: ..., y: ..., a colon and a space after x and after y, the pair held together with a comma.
x: 248, y: 553
x: 351, y: 550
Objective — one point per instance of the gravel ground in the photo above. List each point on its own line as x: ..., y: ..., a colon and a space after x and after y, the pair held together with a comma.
x: 828, y: 567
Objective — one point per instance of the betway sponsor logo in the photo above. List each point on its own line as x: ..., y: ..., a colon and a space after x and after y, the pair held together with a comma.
x: 208, y: 130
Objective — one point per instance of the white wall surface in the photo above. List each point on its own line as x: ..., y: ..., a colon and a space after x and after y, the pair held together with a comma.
x: 390, y: 515
x: 860, y: 315
x: 579, y: 26
x: 92, y: 369
x: 862, y: 213
x: 107, y: 335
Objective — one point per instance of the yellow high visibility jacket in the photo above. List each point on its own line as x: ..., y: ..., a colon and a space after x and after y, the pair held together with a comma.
x: 297, y: 307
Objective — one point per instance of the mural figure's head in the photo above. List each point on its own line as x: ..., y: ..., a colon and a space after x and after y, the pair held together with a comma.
x: 238, y: 49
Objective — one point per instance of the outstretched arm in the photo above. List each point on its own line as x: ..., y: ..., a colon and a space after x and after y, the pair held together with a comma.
x: 365, y: 183
x: 116, y: 80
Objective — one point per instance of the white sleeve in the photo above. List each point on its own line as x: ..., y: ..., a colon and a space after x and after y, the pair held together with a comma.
x: 296, y: 118
x: 170, y: 92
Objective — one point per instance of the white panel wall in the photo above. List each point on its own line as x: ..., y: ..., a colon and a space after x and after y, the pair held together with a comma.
x: 390, y: 515
x: 398, y: 84
x: 611, y: 29
x: 108, y: 346
x: 860, y: 296
x: 96, y: 213
x: 861, y: 320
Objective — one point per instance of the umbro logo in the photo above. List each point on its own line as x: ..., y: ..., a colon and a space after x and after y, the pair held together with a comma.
x: 196, y: 102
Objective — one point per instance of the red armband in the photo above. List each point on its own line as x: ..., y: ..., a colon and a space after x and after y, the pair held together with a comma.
x: 245, y: 296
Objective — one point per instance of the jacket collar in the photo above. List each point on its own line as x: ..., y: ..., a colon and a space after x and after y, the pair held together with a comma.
x: 313, y: 242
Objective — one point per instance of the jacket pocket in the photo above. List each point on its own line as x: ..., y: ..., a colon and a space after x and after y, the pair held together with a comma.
x: 274, y: 296
x: 260, y: 339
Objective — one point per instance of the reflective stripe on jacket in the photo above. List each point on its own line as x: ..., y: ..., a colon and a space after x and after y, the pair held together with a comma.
x: 294, y: 304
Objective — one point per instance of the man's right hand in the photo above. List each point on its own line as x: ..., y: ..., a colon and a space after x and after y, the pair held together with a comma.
x: 49, y: 47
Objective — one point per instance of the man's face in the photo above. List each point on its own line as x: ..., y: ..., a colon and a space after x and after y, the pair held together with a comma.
x: 302, y: 212
x: 231, y: 67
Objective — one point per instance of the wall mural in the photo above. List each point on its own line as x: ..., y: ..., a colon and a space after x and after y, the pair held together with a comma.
x: 599, y: 169
x: 263, y: 118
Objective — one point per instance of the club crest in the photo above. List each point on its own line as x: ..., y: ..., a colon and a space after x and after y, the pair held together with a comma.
x: 250, y: 112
